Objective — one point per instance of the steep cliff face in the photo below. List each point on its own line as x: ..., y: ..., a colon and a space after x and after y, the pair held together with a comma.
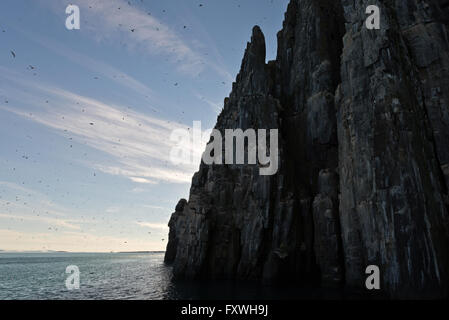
x: 363, y: 120
x: 391, y: 178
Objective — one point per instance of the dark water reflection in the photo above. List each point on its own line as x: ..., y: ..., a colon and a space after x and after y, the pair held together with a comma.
x: 229, y: 290
x: 134, y: 276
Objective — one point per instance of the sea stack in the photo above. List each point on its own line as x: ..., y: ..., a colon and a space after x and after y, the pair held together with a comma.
x: 363, y: 120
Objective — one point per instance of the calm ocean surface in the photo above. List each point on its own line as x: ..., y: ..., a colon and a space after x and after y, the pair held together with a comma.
x: 141, y: 276
x: 102, y: 276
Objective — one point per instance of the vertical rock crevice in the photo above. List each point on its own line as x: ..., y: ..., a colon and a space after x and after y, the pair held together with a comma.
x: 392, y: 200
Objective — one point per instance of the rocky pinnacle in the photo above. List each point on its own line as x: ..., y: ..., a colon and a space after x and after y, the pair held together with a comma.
x: 363, y: 120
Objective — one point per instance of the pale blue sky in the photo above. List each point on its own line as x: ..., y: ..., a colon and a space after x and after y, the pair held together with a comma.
x: 86, y: 115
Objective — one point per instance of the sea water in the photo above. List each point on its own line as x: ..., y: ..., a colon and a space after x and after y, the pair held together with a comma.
x: 134, y: 276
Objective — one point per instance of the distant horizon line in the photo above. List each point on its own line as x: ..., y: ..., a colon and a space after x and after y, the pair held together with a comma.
x: 63, y: 251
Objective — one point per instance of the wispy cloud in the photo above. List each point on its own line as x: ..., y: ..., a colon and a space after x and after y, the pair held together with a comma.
x: 138, y: 190
x: 141, y: 180
x: 40, y: 200
x: 98, y: 67
x: 152, y: 225
x: 24, y: 204
x: 215, y: 106
x: 109, y: 20
x: 126, y: 23
x: 113, y: 210
x: 138, y: 145
x: 15, y: 186
x: 66, y: 223
x: 155, y: 207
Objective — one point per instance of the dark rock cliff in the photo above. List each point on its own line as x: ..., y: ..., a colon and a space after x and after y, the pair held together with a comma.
x: 363, y: 120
